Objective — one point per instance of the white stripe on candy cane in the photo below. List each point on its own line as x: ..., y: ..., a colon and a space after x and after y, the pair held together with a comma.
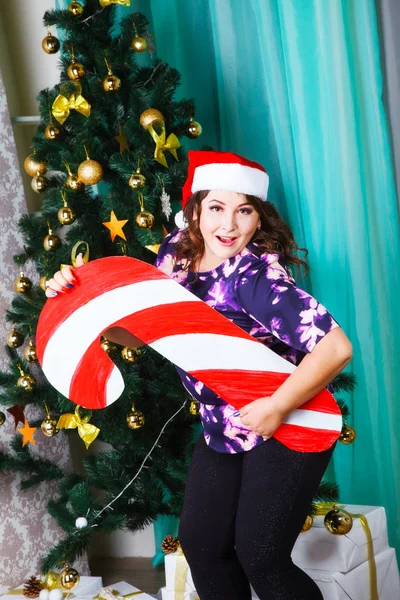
x: 73, y: 337
x: 204, y: 351
x: 314, y: 419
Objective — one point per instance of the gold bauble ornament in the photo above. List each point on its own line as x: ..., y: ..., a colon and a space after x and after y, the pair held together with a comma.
x: 15, y: 339
x: 90, y: 172
x: 73, y: 182
x: 22, y: 284
x: 69, y: 578
x: 137, y: 181
x: 49, y: 427
x: 51, y: 580
x: 2, y: 418
x: 30, y: 352
x: 193, y: 129
x: 50, y: 44
x: 42, y: 282
x: 66, y: 215
x: 145, y: 219
x: 52, y: 132
x: 139, y: 44
x: 39, y: 184
x: 347, y: 435
x: 75, y: 9
x: 76, y: 71
x: 33, y: 167
x: 108, y: 346
x: 307, y: 523
x: 111, y: 83
x: 135, y: 418
x: 338, y: 521
x: 51, y: 241
x: 130, y: 355
x: 151, y: 116
x: 26, y: 382
x: 194, y: 407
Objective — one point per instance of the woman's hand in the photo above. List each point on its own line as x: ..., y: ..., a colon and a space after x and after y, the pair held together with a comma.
x: 262, y: 416
x: 63, y: 280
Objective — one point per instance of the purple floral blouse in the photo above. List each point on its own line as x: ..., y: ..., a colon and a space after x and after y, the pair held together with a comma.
x: 258, y: 294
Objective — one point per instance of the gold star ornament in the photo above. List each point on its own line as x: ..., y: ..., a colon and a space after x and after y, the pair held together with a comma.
x: 115, y: 226
x: 27, y: 434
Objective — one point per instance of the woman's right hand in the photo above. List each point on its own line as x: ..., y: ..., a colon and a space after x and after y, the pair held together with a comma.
x: 63, y: 279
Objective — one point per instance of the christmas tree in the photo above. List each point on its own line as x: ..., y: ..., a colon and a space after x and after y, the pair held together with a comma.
x: 108, y: 162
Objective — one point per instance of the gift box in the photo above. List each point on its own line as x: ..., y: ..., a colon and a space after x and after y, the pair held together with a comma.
x: 117, y: 591
x: 319, y: 549
x: 355, y: 584
x: 172, y: 595
x: 178, y: 577
x: 86, y: 588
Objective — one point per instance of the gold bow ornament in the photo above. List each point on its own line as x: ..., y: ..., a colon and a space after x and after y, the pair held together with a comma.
x: 322, y: 508
x: 151, y: 118
x: 70, y: 98
x: 86, y: 430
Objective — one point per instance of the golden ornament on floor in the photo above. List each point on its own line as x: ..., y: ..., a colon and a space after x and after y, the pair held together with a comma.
x: 33, y: 167
x: 130, y: 355
x: 347, y: 435
x: 51, y: 580
x: 51, y: 241
x: 307, y: 523
x: 50, y: 44
x: 65, y: 214
x: 39, y: 184
x: 76, y: 71
x: 108, y: 346
x: 52, y: 132
x: 15, y: 339
x: 49, y: 426
x: 194, y: 407
x: 137, y: 181
x: 2, y: 418
x: 151, y: 118
x: 32, y: 587
x: 30, y: 352
x: 90, y: 171
x: 135, y: 418
x: 139, y: 44
x: 338, y: 521
x: 75, y: 9
x: 22, y: 284
x: 193, y: 129
x: 69, y: 578
x: 111, y: 83
x: 26, y: 381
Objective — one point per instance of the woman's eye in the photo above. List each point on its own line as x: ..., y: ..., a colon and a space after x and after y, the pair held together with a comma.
x: 215, y: 208
x: 246, y: 211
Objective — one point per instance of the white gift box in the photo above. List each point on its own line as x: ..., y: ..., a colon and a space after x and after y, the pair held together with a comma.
x: 178, y: 575
x: 319, y: 549
x: 172, y: 595
x: 87, y: 587
x: 123, y: 589
x: 354, y: 585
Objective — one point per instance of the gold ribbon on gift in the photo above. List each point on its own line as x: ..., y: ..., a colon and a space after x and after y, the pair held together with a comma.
x: 323, y: 508
x: 67, y: 101
x: 74, y: 253
x: 162, y: 144
x: 87, y: 431
x: 20, y: 592
x: 181, y: 571
x: 116, y: 593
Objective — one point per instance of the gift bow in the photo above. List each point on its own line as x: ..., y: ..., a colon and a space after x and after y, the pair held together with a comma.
x: 63, y: 105
x: 107, y: 593
x: 162, y: 145
x: 87, y: 431
x: 323, y: 508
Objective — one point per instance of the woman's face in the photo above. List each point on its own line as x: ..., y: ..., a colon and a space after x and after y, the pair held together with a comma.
x: 227, y: 223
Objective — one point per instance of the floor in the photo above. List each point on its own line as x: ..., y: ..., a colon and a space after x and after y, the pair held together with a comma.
x: 137, y: 571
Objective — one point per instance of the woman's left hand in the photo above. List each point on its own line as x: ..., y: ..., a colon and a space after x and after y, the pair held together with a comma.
x: 262, y: 416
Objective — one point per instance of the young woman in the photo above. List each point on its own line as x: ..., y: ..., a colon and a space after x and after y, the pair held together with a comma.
x: 247, y: 495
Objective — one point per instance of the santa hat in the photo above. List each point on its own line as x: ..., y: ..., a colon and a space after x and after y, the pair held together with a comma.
x: 209, y: 170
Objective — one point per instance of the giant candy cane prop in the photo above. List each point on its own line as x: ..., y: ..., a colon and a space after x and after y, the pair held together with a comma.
x: 126, y: 292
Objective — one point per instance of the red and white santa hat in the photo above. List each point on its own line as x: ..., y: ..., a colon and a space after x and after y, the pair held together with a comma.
x: 210, y: 170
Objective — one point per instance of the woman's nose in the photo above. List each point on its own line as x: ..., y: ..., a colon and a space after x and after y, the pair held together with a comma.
x: 229, y: 222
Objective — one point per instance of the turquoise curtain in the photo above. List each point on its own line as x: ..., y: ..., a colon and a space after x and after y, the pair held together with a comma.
x: 297, y: 86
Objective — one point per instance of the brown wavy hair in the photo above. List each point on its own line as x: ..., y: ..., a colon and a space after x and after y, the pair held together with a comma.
x: 274, y: 236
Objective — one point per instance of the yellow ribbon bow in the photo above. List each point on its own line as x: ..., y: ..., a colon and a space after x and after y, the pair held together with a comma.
x: 75, y: 101
x: 108, y: 2
x: 86, y: 431
x: 162, y: 145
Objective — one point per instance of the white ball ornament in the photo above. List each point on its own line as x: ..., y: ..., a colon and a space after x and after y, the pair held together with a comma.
x: 56, y: 594
x: 44, y: 595
x: 81, y: 522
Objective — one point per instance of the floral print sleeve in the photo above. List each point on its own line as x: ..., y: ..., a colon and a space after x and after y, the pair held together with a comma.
x: 268, y: 294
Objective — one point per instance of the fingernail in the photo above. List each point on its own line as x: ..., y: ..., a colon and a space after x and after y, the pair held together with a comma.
x: 237, y: 413
x: 70, y: 285
x: 55, y: 294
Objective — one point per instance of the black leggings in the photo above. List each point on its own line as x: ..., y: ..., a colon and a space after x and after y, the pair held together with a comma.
x: 241, y: 516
